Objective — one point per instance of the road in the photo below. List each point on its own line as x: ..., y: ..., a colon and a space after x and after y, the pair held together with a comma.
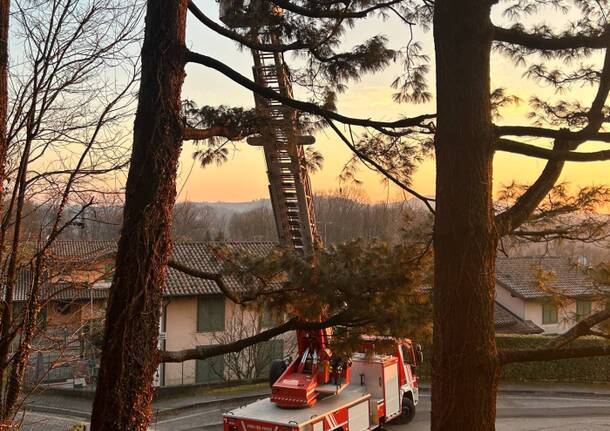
x: 515, y: 413
x: 533, y: 413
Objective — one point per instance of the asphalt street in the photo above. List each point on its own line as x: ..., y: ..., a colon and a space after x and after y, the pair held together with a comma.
x: 515, y: 413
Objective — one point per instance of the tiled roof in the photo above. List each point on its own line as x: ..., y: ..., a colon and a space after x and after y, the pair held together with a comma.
x: 540, y: 277
x: 203, y: 256
x: 508, y: 323
x: 24, y: 279
x: 199, y: 256
x: 82, y: 249
x: 57, y: 291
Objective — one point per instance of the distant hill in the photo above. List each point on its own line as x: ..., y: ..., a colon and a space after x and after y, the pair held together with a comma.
x: 224, y: 208
x: 227, y: 208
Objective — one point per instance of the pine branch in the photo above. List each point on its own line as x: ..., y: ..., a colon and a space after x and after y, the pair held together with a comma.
x: 599, y: 334
x: 381, y: 169
x: 515, y: 216
x: 338, y: 14
x: 565, y: 140
x: 516, y: 36
x: 309, y: 107
x: 581, y: 328
x: 223, y: 31
x: 553, y: 350
x: 212, y: 276
x: 208, y: 351
x: 561, y: 134
x: 516, y: 147
x: 194, y: 134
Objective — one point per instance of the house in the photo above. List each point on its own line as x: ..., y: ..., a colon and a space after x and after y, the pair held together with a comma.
x: 549, y: 294
x: 194, y: 311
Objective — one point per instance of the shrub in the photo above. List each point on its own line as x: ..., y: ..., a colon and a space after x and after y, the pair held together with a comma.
x: 581, y: 370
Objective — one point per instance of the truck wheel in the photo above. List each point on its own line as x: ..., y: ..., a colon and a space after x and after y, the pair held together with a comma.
x: 408, y: 411
x: 277, y: 368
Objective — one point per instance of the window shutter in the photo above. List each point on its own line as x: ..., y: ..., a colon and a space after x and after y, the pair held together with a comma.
x: 210, y: 314
x: 549, y: 314
x: 583, y: 309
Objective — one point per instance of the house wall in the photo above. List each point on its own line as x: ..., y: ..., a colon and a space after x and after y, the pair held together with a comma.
x: 86, y: 272
x: 566, y: 313
x: 181, y: 333
x: 513, y: 303
x: 74, y: 314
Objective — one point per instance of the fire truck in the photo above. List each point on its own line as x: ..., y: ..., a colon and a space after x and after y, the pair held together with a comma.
x: 318, y: 390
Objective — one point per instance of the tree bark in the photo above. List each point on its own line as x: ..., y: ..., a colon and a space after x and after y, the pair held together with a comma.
x: 5, y: 308
x: 124, y: 392
x: 465, y: 367
x: 4, y: 24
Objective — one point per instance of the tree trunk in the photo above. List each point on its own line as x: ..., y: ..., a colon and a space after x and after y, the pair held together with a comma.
x: 124, y: 392
x: 4, y: 24
x: 5, y: 309
x: 465, y: 366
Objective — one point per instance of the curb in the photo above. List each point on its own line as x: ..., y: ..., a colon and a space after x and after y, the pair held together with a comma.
x: 160, y: 412
x: 58, y: 410
x: 554, y: 393
x: 550, y: 392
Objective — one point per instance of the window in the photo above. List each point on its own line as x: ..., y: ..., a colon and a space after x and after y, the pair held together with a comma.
x: 268, y: 352
x: 210, y: 370
x: 64, y: 307
x: 583, y: 309
x: 210, y: 314
x: 549, y: 314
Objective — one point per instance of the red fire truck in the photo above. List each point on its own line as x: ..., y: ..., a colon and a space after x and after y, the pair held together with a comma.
x: 319, y: 392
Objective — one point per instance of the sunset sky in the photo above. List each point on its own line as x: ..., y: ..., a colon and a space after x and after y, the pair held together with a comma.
x: 243, y: 177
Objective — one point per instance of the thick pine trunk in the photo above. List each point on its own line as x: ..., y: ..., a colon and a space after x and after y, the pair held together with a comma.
x: 465, y: 366
x: 124, y: 392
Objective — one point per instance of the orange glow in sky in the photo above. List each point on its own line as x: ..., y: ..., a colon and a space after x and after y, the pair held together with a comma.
x: 243, y: 177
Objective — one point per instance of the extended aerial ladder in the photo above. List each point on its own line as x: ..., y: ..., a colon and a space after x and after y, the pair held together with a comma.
x: 282, y: 143
x: 386, y: 386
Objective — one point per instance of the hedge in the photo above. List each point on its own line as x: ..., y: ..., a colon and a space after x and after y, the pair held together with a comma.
x: 582, y: 370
